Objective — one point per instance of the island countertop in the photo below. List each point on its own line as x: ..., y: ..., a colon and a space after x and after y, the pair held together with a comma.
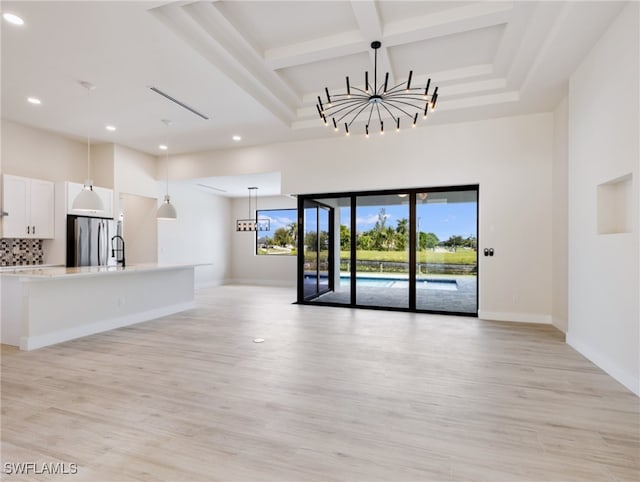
x: 44, y: 306
x: 48, y: 273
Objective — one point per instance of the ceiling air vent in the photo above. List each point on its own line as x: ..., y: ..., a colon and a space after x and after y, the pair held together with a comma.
x: 176, y: 101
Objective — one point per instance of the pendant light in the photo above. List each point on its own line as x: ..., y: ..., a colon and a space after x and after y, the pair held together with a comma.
x: 167, y: 211
x: 88, y: 199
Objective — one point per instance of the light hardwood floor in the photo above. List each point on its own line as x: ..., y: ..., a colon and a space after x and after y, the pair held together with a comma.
x: 332, y: 394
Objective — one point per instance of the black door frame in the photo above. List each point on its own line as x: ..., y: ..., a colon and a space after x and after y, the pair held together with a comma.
x: 306, y: 203
x: 353, y: 195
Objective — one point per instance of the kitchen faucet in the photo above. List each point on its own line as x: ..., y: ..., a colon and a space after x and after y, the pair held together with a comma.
x: 114, y: 250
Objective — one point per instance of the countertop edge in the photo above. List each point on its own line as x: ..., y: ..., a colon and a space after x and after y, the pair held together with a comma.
x: 45, y: 274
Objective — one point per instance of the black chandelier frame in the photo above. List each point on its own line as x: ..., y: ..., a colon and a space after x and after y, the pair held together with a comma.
x: 377, y: 101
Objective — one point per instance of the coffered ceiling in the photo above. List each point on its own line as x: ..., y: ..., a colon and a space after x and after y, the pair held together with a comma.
x: 255, y: 68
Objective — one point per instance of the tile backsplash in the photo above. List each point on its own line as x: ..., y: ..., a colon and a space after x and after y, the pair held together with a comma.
x: 16, y: 252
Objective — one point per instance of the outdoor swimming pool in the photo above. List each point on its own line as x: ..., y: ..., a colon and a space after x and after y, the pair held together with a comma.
x: 388, y: 282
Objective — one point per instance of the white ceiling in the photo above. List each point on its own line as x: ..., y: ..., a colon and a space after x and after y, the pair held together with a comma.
x: 255, y: 68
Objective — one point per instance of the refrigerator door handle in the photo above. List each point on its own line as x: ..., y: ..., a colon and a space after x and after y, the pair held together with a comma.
x: 78, y: 252
x: 100, y: 243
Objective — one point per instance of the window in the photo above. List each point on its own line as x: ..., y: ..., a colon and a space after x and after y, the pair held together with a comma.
x: 281, y: 239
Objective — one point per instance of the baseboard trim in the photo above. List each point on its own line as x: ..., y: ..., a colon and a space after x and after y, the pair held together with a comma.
x: 262, y: 282
x: 605, y: 364
x: 40, y: 341
x: 516, y: 317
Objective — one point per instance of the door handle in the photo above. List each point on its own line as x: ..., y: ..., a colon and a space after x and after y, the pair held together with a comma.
x: 100, y: 243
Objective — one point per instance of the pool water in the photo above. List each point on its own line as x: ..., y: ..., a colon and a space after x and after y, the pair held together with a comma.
x: 426, y: 283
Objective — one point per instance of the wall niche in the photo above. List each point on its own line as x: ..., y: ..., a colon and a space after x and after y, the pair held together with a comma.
x: 615, y: 205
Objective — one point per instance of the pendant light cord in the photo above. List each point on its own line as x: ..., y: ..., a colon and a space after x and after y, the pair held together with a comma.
x: 88, y: 135
x: 167, y: 167
x: 167, y: 123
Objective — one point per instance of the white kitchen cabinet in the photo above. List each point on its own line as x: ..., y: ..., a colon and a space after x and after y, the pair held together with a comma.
x: 29, y: 204
x: 74, y: 188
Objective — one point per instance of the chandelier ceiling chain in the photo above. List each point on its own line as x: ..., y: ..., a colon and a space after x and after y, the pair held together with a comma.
x: 377, y: 101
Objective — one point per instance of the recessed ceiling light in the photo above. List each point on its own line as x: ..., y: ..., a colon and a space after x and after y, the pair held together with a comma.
x: 237, y: 138
x: 34, y: 100
x: 13, y: 18
x: 110, y: 128
x: 162, y: 147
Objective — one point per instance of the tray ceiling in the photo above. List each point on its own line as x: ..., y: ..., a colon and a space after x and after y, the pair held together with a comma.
x: 255, y: 68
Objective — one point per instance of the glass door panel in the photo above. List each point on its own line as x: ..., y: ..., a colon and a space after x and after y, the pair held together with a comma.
x: 324, y: 282
x: 310, y: 251
x: 334, y: 251
x: 446, y: 251
x: 382, y: 250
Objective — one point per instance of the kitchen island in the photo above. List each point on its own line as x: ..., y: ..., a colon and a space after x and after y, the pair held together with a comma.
x: 44, y: 306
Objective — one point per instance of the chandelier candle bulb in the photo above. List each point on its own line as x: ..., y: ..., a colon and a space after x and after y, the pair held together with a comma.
x: 376, y: 101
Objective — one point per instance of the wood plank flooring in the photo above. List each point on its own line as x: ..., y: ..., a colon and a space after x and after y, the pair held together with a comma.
x: 331, y: 394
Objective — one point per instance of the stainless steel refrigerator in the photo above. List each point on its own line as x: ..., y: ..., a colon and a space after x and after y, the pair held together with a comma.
x: 89, y: 241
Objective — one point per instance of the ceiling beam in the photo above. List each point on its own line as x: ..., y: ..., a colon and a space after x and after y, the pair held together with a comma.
x: 203, y: 27
x: 316, y: 50
x: 370, y: 26
x: 448, y: 22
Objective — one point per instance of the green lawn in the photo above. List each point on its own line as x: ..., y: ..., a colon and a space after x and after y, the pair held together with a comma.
x: 278, y: 251
x: 461, y: 256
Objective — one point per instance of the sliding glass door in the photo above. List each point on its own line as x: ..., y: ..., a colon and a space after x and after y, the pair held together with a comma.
x: 382, y: 250
x: 446, y: 251
x: 316, y: 240
x: 413, y: 249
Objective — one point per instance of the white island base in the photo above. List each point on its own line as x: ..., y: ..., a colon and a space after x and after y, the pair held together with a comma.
x: 41, y: 307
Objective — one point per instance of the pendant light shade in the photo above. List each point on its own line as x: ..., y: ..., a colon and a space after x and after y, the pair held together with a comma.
x: 88, y: 199
x: 167, y: 211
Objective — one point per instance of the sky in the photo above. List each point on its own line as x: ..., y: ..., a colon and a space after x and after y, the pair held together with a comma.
x: 443, y: 219
x: 278, y: 218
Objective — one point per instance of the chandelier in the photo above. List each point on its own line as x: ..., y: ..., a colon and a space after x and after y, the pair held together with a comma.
x: 377, y: 102
x: 253, y: 223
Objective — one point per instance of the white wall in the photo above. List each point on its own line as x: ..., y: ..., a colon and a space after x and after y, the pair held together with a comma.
x: 139, y: 228
x: 134, y: 172
x: 510, y: 158
x: 31, y: 152
x: 246, y: 266
x: 201, y: 234
x: 560, y: 230
x: 604, y: 122
x: 102, y: 165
